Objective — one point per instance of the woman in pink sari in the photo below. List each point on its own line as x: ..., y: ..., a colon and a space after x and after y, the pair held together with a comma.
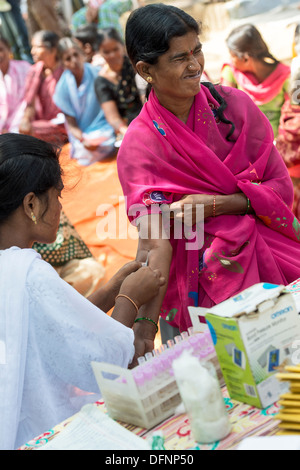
x: 12, y: 88
x: 197, y: 146
x: 42, y: 118
x: 256, y: 71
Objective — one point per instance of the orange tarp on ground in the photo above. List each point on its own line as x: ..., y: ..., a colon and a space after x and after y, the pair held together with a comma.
x: 93, y: 200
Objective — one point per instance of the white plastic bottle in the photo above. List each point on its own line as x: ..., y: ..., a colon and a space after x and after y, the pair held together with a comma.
x: 202, y: 397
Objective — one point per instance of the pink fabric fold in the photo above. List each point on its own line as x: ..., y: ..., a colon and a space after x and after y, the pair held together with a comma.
x: 162, y: 155
x: 40, y: 90
x: 266, y: 91
x: 12, y: 89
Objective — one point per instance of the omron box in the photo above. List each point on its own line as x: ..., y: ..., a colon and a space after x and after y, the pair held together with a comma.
x: 253, y: 334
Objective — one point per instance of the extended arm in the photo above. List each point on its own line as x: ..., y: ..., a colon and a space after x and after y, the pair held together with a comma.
x: 153, y: 241
x: 113, y: 117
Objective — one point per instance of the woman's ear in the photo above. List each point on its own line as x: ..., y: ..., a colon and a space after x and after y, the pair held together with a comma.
x: 31, y: 205
x: 144, y: 70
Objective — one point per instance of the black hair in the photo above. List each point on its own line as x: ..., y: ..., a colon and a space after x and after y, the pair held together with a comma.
x: 149, y: 31
x: 109, y: 33
x: 5, y: 41
x: 246, y: 39
x: 27, y: 165
x: 87, y: 34
x: 48, y: 38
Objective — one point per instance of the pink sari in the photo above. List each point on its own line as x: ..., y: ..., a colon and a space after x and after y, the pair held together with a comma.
x: 12, y: 89
x: 162, y: 155
x: 39, y: 93
x: 266, y: 91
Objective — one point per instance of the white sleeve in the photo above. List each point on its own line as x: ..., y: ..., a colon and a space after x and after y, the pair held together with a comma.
x: 70, y: 331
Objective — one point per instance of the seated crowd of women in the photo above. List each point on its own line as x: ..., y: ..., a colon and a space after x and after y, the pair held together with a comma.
x: 63, y: 97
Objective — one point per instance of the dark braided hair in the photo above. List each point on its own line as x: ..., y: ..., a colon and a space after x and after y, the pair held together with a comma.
x: 223, y: 105
x: 149, y: 31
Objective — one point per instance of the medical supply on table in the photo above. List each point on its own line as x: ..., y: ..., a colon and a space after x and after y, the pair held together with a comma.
x: 202, y: 398
x: 254, y: 334
x: 148, y: 394
x: 294, y: 288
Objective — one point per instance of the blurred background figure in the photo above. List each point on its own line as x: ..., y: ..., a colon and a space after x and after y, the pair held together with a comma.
x: 256, y: 71
x: 87, y: 38
x: 116, y: 86
x: 14, y: 29
x: 288, y: 140
x: 12, y: 88
x: 103, y: 13
x: 92, y: 139
x: 44, y: 15
x: 21, y: 27
x: 42, y: 118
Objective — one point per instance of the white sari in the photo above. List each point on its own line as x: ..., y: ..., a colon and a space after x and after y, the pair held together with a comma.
x: 49, y: 334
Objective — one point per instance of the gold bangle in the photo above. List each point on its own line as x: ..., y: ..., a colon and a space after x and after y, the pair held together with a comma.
x: 130, y: 300
x: 214, y: 206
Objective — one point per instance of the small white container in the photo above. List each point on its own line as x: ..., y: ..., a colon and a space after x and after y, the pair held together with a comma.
x: 202, y: 398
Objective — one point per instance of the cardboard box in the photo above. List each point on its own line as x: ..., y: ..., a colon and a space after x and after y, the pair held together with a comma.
x: 253, y: 334
x: 294, y: 288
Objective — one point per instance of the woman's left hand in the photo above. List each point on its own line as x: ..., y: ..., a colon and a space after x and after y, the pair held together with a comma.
x: 193, y: 208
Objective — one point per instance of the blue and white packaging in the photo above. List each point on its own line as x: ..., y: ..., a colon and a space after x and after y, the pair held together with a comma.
x: 254, y: 333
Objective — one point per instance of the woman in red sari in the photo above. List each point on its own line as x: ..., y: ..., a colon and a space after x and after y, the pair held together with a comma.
x: 42, y: 118
x: 196, y: 146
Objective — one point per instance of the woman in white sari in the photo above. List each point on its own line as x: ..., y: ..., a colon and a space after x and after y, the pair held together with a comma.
x: 49, y: 333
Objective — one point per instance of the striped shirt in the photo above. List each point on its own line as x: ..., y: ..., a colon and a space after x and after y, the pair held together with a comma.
x: 109, y: 15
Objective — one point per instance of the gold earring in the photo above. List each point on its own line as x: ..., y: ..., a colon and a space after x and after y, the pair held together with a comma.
x: 33, y: 218
x: 149, y: 79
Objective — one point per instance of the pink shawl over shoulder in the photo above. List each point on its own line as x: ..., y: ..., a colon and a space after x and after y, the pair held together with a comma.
x: 161, y: 153
x: 266, y: 91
